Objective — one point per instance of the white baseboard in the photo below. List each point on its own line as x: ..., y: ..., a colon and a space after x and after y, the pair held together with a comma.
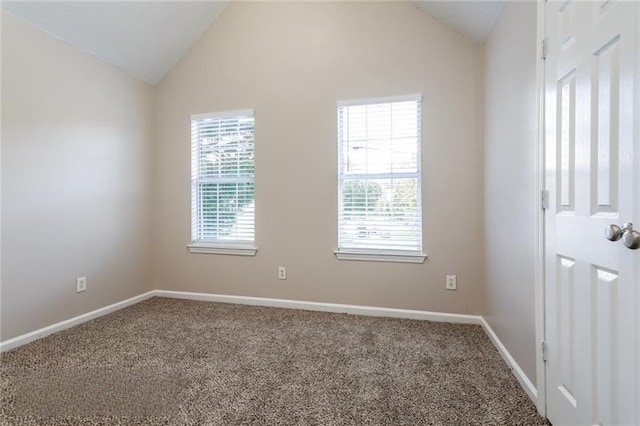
x: 526, y: 384
x: 323, y: 307
x: 289, y: 304
x: 63, y: 325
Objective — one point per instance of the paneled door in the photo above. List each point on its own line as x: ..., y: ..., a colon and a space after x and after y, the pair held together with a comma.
x: 592, y: 144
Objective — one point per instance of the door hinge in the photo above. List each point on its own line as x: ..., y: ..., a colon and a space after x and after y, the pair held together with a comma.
x: 544, y: 199
x: 543, y: 350
x: 544, y: 49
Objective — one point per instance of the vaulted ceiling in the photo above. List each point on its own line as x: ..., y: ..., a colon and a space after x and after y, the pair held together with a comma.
x: 473, y: 19
x: 147, y: 38
x: 143, y: 38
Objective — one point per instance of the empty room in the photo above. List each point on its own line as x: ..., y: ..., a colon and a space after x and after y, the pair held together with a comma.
x: 320, y: 212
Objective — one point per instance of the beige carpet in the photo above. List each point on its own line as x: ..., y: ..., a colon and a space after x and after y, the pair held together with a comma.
x: 179, y: 362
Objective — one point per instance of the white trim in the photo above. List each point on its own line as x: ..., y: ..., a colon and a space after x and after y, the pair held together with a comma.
x: 526, y: 384
x: 382, y: 100
x: 287, y: 304
x: 323, y: 307
x: 63, y: 325
x: 380, y: 257
x: 203, y: 248
x: 222, y: 114
x: 539, y: 303
x: 371, y: 254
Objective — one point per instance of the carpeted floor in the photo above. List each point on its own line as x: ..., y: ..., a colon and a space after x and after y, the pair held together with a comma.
x: 177, y: 362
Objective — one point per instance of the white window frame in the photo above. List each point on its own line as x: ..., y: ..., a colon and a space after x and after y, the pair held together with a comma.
x: 376, y: 255
x: 240, y: 248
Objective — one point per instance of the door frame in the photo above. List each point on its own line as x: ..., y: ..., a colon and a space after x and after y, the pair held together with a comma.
x: 540, y: 164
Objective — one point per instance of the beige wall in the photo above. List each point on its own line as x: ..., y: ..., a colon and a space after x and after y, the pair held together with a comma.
x: 510, y: 181
x: 75, y: 181
x: 291, y: 62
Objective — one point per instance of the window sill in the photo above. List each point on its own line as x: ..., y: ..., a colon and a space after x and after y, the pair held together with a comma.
x: 371, y: 256
x: 204, y: 248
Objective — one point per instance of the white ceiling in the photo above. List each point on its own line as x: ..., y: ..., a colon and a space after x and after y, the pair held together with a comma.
x: 472, y: 19
x: 147, y: 38
x: 143, y: 38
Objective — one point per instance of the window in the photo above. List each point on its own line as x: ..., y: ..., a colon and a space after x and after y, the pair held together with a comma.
x: 379, y: 203
x: 222, y: 183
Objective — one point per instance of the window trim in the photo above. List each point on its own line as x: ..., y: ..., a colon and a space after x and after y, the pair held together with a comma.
x: 238, y: 248
x: 222, y: 114
x: 230, y: 249
x: 371, y: 255
x: 381, y: 100
x: 378, y: 255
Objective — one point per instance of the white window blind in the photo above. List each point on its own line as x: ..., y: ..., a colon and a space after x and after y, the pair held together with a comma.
x: 222, y: 178
x: 379, y: 208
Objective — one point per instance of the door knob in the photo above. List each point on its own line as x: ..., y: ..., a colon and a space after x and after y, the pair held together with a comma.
x: 613, y: 232
x: 630, y: 237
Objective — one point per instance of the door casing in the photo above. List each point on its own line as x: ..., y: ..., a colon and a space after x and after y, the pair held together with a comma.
x: 541, y: 399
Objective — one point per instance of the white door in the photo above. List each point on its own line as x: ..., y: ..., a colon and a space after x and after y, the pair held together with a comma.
x: 592, y: 285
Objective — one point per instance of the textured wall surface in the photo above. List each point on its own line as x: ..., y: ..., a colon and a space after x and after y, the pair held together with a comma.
x: 76, y: 181
x: 292, y: 62
x: 510, y: 182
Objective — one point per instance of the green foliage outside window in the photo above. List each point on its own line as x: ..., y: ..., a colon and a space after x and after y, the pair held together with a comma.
x: 360, y: 196
x: 222, y: 201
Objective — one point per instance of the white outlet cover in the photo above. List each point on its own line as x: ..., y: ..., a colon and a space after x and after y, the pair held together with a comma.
x: 451, y: 282
x: 282, y: 273
x: 81, y: 284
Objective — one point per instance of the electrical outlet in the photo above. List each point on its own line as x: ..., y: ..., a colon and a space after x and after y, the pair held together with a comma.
x: 282, y: 273
x: 451, y: 283
x: 81, y: 284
